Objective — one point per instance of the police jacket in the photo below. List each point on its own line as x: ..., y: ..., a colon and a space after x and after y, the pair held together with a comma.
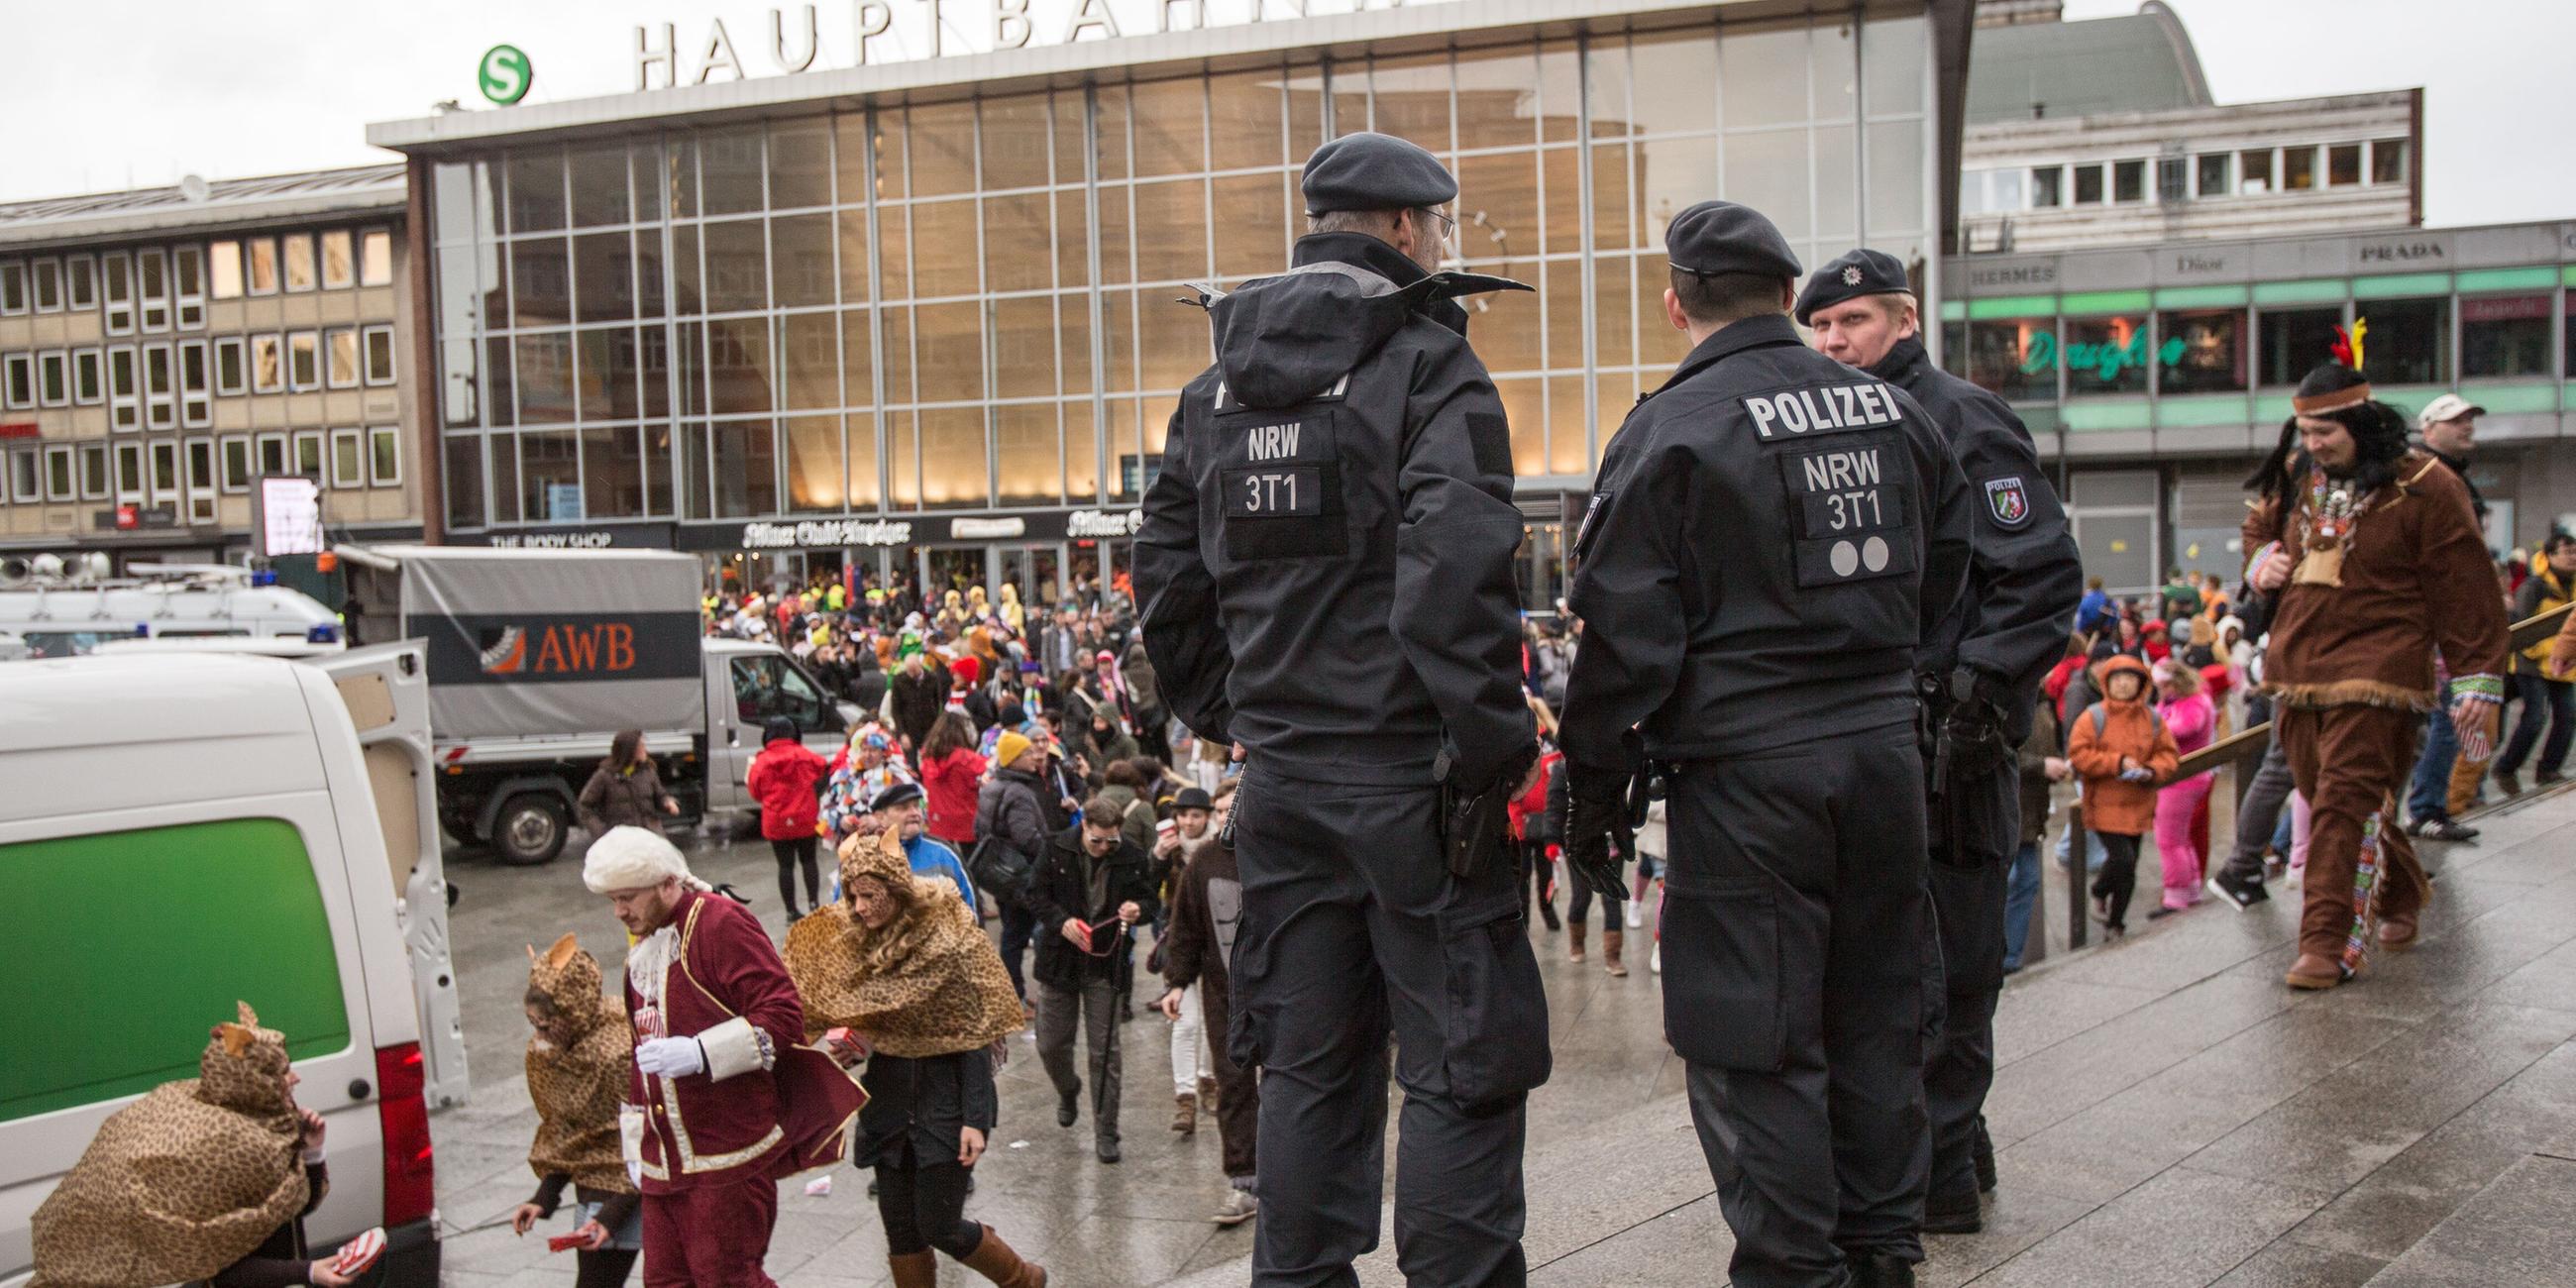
x: 2025, y: 577
x: 1773, y: 535
x: 1326, y: 562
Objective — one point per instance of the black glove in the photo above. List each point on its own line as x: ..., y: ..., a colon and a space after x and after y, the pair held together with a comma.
x: 1596, y: 809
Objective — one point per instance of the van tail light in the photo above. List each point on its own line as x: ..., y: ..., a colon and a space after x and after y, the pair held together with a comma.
x: 403, y: 1113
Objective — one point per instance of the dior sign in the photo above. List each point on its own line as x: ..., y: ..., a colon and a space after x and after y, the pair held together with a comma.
x: 864, y: 33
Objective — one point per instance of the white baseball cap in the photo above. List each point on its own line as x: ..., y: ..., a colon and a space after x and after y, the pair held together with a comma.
x: 2446, y: 407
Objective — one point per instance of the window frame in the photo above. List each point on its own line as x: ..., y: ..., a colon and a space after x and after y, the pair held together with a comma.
x: 130, y: 487
x: 197, y: 399
x: 80, y: 281
x: 60, y: 393
x: 286, y: 256
x: 368, y: 239
x: 118, y: 311
x: 154, y: 309
x: 188, y: 308
x: 96, y: 451
x: 312, y: 348
x: 250, y: 366
x: 124, y: 410
x: 319, y: 442
x: 240, y: 349
x: 39, y: 272
x: 58, y: 456
x: 368, y: 336
x: 2405, y: 162
x: 233, y: 450
x: 385, y: 478
x: 200, y: 482
x: 322, y: 258
x: 160, y: 450
x: 13, y: 282
x: 161, y: 401
x: 260, y: 443
x: 2121, y: 173
x: 94, y: 358
x: 251, y: 248
x: 27, y: 466
x: 218, y: 255
x: 331, y: 373
x: 18, y: 380
x: 356, y: 441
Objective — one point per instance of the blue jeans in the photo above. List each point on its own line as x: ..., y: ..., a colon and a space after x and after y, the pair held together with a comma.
x: 2429, y: 796
x: 2544, y: 702
x: 2021, y: 889
x: 2093, y: 852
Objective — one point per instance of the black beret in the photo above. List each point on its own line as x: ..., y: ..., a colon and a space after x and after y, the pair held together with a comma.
x: 895, y: 794
x: 1723, y: 237
x: 1192, y: 798
x: 1374, y: 172
x: 1857, y: 273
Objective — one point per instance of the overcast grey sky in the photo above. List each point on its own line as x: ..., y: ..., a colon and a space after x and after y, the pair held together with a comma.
x: 108, y: 93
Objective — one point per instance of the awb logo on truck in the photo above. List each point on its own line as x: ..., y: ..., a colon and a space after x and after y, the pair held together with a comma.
x: 558, y: 651
x: 555, y: 648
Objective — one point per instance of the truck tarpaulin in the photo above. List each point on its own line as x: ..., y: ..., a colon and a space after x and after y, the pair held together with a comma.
x: 535, y: 643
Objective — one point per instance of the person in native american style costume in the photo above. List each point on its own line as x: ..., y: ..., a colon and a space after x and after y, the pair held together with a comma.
x: 207, y: 1180
x: 579, y: 1062
x: 897, y: 970
x: 2375, y: 561
x: 725, y: 1098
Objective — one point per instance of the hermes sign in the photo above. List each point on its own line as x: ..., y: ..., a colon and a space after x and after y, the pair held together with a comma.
x: 863, y: 33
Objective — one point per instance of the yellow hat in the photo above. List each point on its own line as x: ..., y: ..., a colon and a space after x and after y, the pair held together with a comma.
x: 1010, y: 748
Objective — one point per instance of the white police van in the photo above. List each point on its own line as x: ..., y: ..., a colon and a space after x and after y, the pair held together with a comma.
x: 68, y: 612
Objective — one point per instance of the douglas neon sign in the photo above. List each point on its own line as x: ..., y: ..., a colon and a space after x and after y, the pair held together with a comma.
x: 2105, y: 361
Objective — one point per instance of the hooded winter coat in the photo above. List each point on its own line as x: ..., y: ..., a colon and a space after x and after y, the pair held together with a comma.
x: 2095, y: 746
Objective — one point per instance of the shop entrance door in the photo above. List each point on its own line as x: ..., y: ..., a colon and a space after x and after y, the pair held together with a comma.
x: 1037, y: 570
x: 947, y: 568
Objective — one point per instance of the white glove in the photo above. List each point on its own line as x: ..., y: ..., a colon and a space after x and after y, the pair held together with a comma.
x: 671, y: 1057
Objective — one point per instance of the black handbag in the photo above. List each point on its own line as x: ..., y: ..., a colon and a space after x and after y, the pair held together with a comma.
x: 1000, y: 871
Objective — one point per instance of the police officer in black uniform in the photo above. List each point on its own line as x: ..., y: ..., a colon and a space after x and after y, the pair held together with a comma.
x: 1326, y: 568
x: 1773, y: 535
x: 1980, y: 674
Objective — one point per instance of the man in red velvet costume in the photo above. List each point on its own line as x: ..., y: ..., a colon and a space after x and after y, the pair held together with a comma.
x: 725, y: 1099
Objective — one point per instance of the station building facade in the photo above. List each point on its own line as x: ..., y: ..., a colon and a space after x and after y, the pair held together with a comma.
x: 926, y: 314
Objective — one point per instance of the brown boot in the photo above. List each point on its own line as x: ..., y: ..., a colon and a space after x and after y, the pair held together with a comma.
x: 1611, y: 942
x: 994, y: 1260
x: 915, y: 1269
x: 2312, y: 971
x: 2397, y: 931
x: 1185, y: 1114
x: 1574, y: 931
x: 1207, y: 1091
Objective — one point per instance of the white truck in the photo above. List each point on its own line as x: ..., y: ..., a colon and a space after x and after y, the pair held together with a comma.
x: 537, y: 658
x: 266, y: 837
x: 57, y: 612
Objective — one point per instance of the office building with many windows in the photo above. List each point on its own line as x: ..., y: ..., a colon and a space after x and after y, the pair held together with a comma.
x: 928, y: 313
x: 162, y: 348
x: 2154, y: 377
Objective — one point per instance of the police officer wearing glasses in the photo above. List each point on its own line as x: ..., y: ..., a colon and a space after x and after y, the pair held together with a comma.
x: 1772, y: 537
x: 1979, y: 673
x: 1326, y: 573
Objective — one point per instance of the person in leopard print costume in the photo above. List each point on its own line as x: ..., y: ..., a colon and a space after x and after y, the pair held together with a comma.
x: 897, y: 971
x: 207, y: 1179
x: 578, y: 1062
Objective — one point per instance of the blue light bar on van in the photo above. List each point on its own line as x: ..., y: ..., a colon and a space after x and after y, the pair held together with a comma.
x: 263, y: 577
x: 143, y: 630
x: 322, y: 633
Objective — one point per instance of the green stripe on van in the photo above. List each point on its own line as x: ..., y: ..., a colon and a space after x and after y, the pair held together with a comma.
x: 126, y: 948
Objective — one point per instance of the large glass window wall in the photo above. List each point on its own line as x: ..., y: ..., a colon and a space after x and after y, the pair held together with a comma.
x: 977, y: 303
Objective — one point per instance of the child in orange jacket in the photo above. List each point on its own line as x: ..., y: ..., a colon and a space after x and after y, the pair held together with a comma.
x: 2122, y: 749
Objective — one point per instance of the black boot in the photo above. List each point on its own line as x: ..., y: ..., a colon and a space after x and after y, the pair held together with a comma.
x: 1982, y: 1152
x: 1952, y: 1213
x: 1880, y: 1270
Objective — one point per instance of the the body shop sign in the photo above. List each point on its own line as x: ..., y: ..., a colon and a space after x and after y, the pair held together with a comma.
x: 2105, y: 361
x: 794, y: 38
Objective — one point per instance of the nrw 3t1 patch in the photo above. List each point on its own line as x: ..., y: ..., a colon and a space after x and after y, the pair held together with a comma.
x: 2007, y: 502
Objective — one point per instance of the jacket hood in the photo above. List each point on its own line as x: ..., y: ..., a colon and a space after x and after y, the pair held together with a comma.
x: 2115, y: 664
x: 1282, y: 340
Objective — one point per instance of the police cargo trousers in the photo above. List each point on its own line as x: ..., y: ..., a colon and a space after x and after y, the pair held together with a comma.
x: 1352, y: 926
x: 2348, y: 762
x: 1968, y: 916
x: 1795, y: 972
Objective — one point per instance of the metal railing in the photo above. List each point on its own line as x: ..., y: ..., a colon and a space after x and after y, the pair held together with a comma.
x: 2236, y: 751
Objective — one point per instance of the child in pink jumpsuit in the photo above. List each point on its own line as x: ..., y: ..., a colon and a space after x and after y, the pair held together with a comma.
x: 2193, y: 720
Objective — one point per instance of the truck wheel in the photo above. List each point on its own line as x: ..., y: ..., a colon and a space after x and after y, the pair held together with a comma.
x: 530, y: 829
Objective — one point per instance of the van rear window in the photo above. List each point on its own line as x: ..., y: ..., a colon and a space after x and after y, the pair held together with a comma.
x: 125, y: 948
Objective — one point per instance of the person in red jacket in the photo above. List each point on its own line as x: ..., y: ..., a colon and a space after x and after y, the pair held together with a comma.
x: 785, y: 779
x: 950, y: 775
